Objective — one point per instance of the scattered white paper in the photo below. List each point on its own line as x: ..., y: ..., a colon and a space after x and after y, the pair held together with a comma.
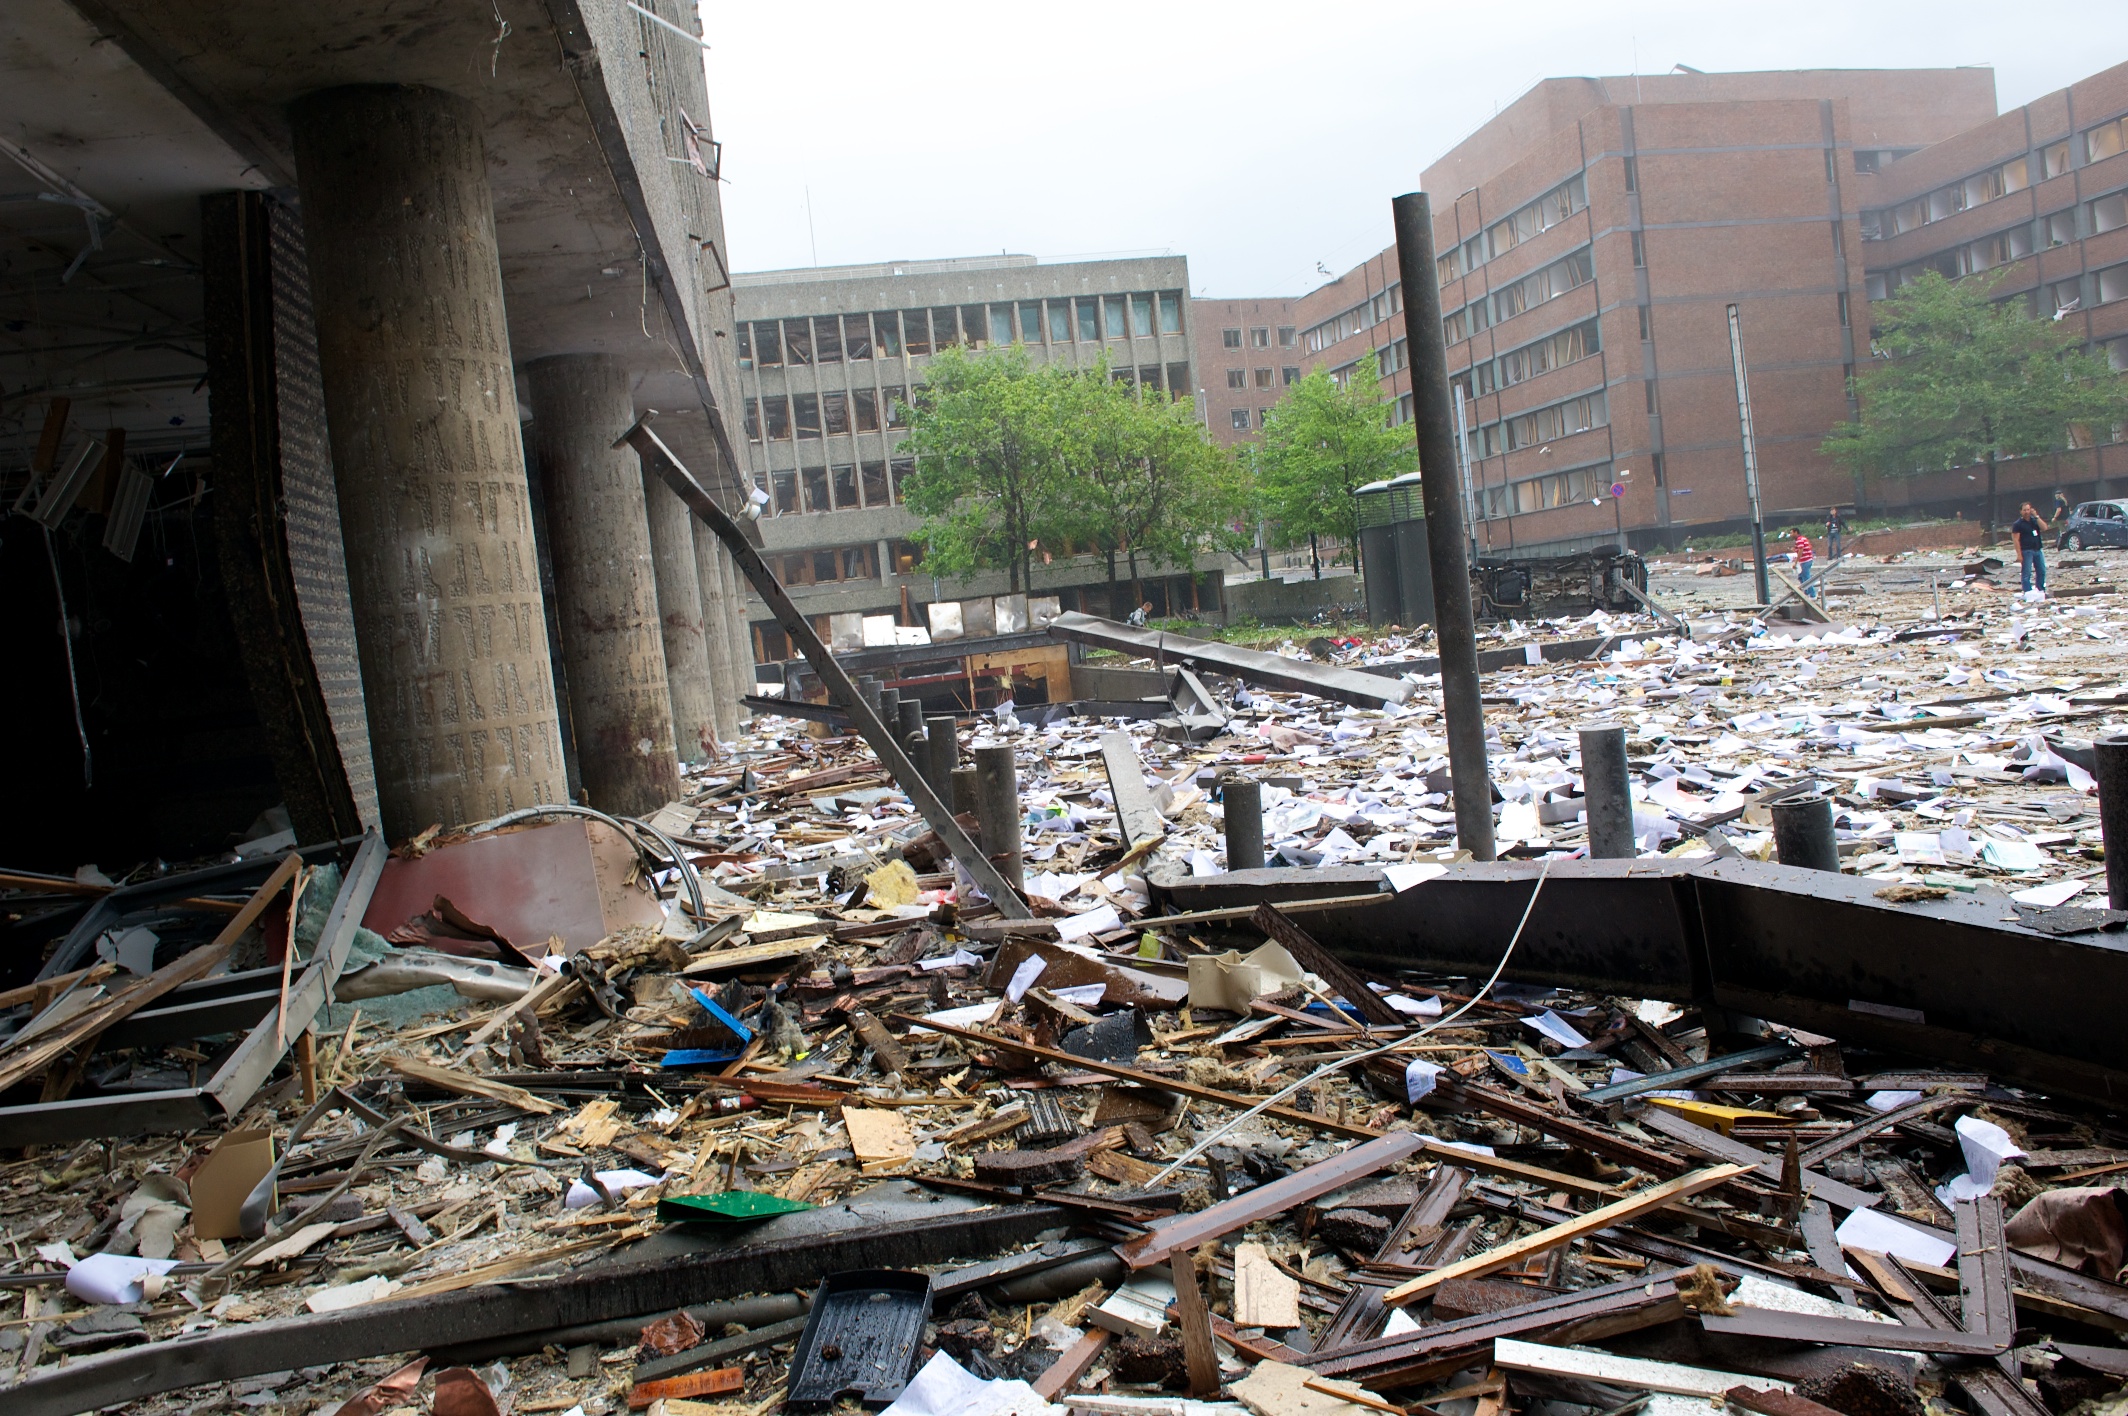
x: 619, y: 1182
x: 113, y: 1278
x: 963, y: 1017
x: 945, y: 1388
x: 959, y: 958
x: 1083, y: 994
x: 1891, y: 1100
x: 1404, y: 877
x: 1414, y: 1007
x: 351, y: 1295
x: 1078, y: 926
x: 1399, y: 1322
x: 2012, y: 855
x: 1024, y: 976
x: 1556, y: 1028
x: 2050, y: 895
x: 1867, y: 1229
x: 1419, y: 1075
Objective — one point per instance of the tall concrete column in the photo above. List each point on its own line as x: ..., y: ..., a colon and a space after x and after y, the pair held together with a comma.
x: 716, y: 610
x: 742, y: 634
x: 415, y: 356
x: 672, y: 553
x: 606, y: 593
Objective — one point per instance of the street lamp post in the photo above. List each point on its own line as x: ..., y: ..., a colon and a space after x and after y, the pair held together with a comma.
x: 1751, y: 458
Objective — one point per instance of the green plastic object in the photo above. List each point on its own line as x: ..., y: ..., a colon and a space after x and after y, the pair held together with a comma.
x: 726, y: 1207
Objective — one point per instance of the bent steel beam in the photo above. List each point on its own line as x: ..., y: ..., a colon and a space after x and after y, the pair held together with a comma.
x: 1958, y: 980
x: 659, y: 459
x: 1362, y: 690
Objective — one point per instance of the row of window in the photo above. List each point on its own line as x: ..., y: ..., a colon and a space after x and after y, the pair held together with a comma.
x: 810, y: 415
x: 1569, y: 272
x: 1287, y: 376
x: 890, y: 334
x: 1259, y: 337
x: 2100, y: 215
x: 2105, y: 140
x: 1977, y: 190
x: 1540, y: 426
x: 1365, y: 315
x: 1567, y: 488
x: 794, y: 491
x: 1502, y: 236
x: 1516, y: 366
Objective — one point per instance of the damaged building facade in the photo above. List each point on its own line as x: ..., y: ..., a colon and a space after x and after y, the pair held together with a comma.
x: 1600, y: 228
x: 320, y: 335
x: 829, y: 357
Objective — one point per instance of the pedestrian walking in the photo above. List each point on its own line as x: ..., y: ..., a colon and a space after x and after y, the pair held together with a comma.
x: 2030, y: 531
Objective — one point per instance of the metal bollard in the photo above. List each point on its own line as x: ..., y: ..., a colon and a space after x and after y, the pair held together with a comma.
x: 942, y: 753
x: 868, y: 690
x: 2112, y: 774
x: 1607, y: 792
x: 1244, y: 809
x: 997, y: 809
x: 964, y: 793
x: 890, y: 709
x: 1802, y: 834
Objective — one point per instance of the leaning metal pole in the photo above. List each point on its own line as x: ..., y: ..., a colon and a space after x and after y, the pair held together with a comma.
x: 1751, y: 457
x: 1440, y: 490
x: 841, y: 689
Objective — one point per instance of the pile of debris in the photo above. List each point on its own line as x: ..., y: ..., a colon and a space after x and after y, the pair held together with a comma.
x: 758, y: 1105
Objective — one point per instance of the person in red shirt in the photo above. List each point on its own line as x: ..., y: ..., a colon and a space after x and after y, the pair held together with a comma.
x: 1806, y: 557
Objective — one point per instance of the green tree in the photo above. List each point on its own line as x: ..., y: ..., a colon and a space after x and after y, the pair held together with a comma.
x: 988, y: 447
x: 1958, y: 377
x: 1320, y: 444
x: 1144, y: 480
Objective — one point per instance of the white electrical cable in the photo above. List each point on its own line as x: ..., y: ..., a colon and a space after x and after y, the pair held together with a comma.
x: 1338, y: 1066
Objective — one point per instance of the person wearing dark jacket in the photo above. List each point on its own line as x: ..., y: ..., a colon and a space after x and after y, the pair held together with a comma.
x: 1835, y: 529
x: 2030, y: 530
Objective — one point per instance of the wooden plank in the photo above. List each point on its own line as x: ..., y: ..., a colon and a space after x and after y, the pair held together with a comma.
x: 1987, y: 1304
x: 1853, y: 1332
x: 1545, y: 1240
x: 1325, y: 965
x: 1064, y: 1373
x: 465, y: 1085
x: 1721, y: 1147
x: 717, y: 1381
x: 1195, y: 1321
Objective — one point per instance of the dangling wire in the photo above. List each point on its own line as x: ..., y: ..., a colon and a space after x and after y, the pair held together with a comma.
x: 66, y: 637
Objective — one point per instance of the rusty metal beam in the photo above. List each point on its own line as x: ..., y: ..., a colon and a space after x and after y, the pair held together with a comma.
x: 1362, y: 690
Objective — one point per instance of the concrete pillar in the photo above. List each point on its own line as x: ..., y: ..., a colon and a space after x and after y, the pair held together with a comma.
x: 606, y: 595
x: 742, y: 635
x: 725, y: 685
x: 672, y: 555
x: 1607, y: 793
x: 1243, y: 805
x: 422, y: 406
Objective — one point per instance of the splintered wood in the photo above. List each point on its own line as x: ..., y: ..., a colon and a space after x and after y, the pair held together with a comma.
x: 1263, y: 1296
x: 881, y: 1140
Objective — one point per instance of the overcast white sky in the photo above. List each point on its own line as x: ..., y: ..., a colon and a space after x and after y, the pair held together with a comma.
x: 1257, y: 139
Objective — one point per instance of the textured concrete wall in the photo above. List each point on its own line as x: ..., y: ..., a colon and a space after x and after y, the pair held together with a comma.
x: 717, y: 612
x: 415, y: 360
x: 672, y: 551
x: 605, y: 589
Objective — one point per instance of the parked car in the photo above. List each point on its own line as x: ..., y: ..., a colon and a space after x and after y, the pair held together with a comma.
x: 2099, y: 523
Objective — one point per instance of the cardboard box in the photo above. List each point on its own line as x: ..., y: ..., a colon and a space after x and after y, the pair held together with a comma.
x: 236, y: 1164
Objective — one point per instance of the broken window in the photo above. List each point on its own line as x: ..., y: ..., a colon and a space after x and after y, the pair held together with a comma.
x: 827, y: 567
x: 900, y: 470
x: 2054, y: 159
x: 1178, y: 379
x: 1240, y: 419
x: 2060, y: 227
x: 1171, y: 312
x: 2065, y: 297
x: 805, y: 411
x: 1263, y: 378
x: 1030, y: 321
x: 1060, y: 322
x: 856, y: 337
x: 845, y: 481
x: 886, y: 324
x: 916, y: 331
x: 867, y: 410
x: 2109, y: 213
x: 753, y: 418
x: 972, y: 325
x: 815, y: 481
x: 776, y: 415
x: 785, y: 481
x: 1001, y: 324
x: 1123, y: 375
x: 945, y: 328
x: 1088, y: 317
x: 746, y: 345
x: 896, y: 400
x: 1259, y: 337
x: 874, y: 478
x: 1230, y: 338
x: 2105, y: 140
x: 1112, y: 316
x: 827, y: 340
x: 1141, y: 316
x: 908, y: 555
x: 768, y: 345
x: 1287, y: 337
x: 2112, y: 284
x: 1237, y: 378
x: 835, y: 412
x: 1149, y: 376
x: 798, y: 342
x: 1289, y: 375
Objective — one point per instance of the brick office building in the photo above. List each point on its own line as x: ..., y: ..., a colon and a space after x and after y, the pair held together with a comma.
x: 1591, y: 237
x: 2043, y: 190
x: 1247, y: 353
